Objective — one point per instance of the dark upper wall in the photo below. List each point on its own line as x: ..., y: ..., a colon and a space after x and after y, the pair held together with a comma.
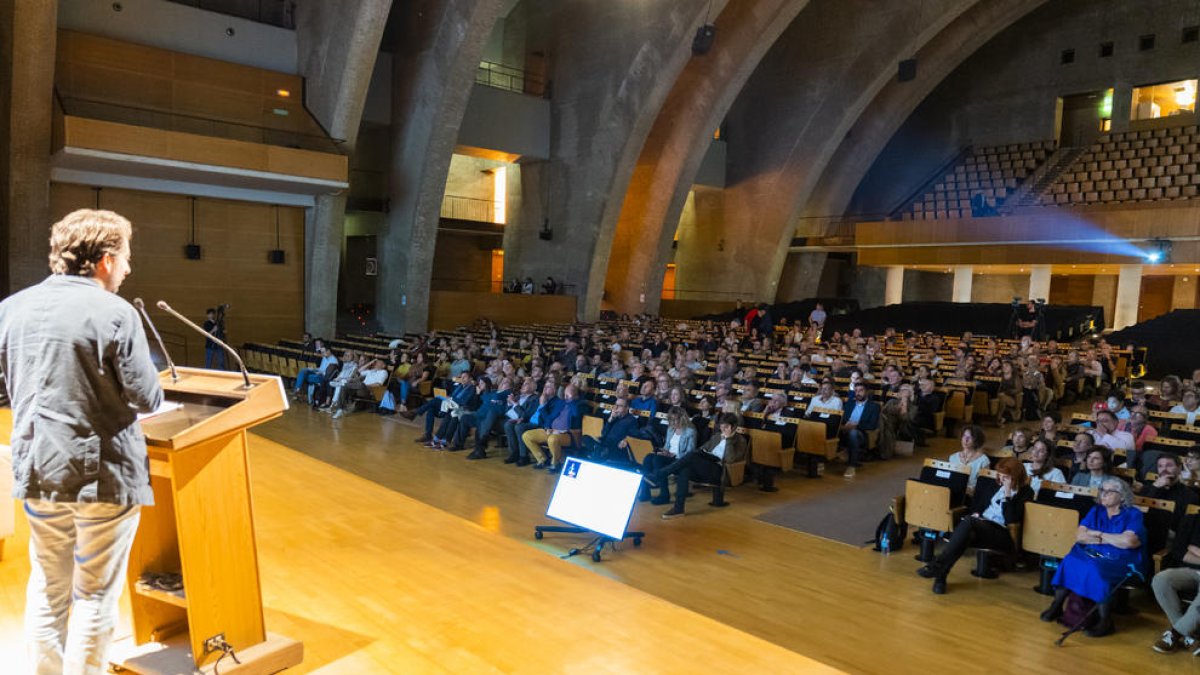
x: 1007, y: 91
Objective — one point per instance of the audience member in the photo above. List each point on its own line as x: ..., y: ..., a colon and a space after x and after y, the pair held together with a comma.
x: 1109, y: 540
x: 993, y: 511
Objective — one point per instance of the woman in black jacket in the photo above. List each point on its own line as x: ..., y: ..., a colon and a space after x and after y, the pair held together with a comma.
x: 987, y: 527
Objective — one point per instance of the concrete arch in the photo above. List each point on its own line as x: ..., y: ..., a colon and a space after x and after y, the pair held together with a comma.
x: 791, y: 116
x: 895, y: 102
x: 614, y: 65
x: 774, y: 187
x: 676, y: 146
x: 432, y: 74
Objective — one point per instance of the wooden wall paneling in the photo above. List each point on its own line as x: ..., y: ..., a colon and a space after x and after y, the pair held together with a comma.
x: 128, y: 74
x: 450, y: 309
x: 1156, y: 297
x: 187, y: 147
x: 268, y: 300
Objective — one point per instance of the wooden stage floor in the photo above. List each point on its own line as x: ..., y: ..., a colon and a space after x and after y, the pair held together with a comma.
x: 382, y: 556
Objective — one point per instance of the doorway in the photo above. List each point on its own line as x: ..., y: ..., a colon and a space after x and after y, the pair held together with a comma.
x: 1084, y: 117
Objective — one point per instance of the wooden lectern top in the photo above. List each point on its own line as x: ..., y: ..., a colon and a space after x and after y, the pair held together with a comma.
x: 213, y: 403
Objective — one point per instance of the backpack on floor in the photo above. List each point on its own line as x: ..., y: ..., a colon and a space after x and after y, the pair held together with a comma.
x: 1075, y: 609
x: 892, y: 530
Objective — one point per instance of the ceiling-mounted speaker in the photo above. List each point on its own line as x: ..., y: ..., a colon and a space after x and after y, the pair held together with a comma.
x: 704, y: 39
x: 907, y: 71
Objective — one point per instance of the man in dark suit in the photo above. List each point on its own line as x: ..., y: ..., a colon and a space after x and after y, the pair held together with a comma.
x: 521, y: 407
x: 861, y: 415
x: 619, y: 425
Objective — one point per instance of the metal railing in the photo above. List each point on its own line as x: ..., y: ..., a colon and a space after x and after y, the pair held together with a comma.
x: 195, y: 124
x: 468, y: 208
x: 692, y: 294
x: 508, y: 78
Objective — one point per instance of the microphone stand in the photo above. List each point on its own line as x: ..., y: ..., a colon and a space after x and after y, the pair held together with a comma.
x: 229, y: 350
x: 141, y: 307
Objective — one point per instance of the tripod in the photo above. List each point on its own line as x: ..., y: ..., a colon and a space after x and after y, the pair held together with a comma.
x: 596, y: 545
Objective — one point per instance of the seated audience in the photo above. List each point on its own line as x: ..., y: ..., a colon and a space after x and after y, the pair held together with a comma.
x: 826, y: 407
x: 1096, y: 468
x: 1168, y: 486
x: 1018, y: 444
x: 1107, y: 434
x: 861, y: 415
x: 610, y: 446
x: 897, y: 421
x: 314, y: 376
x: 706, y: 464
x: 556, y: 425
x: 1189, y: 406
x: 680, y: 441
x: 1109, y: 540
x: 1170, y: 585
x: 1040, y: 468
x: 1141, y: 430
x: 993, y: 511
x: 971, y: 455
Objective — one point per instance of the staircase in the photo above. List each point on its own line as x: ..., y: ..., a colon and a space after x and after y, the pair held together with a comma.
x: 1028, y: 192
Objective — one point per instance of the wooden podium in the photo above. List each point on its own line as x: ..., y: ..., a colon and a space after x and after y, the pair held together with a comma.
x: 202, y: 527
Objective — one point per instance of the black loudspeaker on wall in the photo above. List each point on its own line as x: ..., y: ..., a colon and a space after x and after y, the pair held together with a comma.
x: 192, y: 251
x: 275, y: 256
x: 546, y: 234
x: 704, y: 39
x: 908, y: 70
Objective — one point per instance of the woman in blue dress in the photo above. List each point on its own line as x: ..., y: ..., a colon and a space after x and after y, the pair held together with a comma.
x: 1109, y: 540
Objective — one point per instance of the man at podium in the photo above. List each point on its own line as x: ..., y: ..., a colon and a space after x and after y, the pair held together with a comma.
x: 77, y: 368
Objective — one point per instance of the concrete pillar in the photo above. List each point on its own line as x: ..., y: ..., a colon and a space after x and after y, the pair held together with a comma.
x: 433, y: 71
x: 27, y: 48
x: 1129, y: 291
x: 324, y: 228
x: 1184, y: 293
x: 337, y: 42
x: 893, y: 293
x: 1039, y: 282
x: 961, y: 291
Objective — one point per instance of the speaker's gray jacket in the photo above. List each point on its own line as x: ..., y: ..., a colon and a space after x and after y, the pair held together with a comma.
x: 77, y: 369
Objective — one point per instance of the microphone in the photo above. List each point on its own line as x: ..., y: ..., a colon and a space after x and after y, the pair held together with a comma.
x: 141, y: 307
x: 230, y: 350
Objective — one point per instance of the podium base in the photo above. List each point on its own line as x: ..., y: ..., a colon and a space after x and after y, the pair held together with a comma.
x: 174, y: 657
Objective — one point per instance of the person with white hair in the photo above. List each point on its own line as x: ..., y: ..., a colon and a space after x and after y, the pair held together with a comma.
x: 1109, y: 543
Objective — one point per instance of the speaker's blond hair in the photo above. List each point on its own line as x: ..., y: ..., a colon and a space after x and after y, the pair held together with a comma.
x: 80, y: 240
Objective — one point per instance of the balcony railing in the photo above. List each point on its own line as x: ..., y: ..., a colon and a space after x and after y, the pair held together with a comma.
x: 469, y: 208
x: 195, y: 124
x: 508, y: 78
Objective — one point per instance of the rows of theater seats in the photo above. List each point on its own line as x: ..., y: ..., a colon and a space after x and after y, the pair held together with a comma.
x: 777, y: 444
x: 994, y: 172
x: 1132, y: 166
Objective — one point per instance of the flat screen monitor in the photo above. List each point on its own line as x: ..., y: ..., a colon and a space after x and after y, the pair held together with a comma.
x: 595, y: 497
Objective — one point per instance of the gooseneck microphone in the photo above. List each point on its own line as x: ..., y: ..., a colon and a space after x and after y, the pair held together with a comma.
x: 230, y: 350
x: 141, y: 307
